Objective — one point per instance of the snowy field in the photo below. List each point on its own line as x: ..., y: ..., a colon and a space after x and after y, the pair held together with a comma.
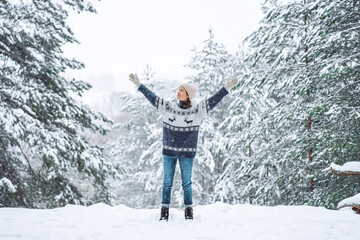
x: 217, y: 221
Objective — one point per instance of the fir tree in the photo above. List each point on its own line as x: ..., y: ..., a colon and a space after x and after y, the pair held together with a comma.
x: 212, y: 64
x: 335, y: 47
x: 278, y: 69
x: 305, y: 57
x: 42, y: 151
x: 241, y: 141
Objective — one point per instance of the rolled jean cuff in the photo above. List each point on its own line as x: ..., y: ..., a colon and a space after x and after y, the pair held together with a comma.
x: 165, y: 205
x: 190, y: 205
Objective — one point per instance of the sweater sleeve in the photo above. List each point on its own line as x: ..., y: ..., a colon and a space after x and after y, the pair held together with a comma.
x: 215, y: 99
x: 157, y: 102
x: 206, y: 106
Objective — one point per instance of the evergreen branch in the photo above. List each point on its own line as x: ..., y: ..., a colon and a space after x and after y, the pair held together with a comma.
x: 340, y: 90
x: 353, y: 28
x: 27, y: 160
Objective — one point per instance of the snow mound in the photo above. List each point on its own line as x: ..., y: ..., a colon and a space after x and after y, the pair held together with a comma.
x: 216, y: 221
x: 354, y: 200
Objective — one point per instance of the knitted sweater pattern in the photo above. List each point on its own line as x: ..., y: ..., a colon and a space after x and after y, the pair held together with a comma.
x: 181, y: 126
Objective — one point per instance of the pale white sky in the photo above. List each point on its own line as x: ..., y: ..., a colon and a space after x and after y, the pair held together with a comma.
x: 126, y: 35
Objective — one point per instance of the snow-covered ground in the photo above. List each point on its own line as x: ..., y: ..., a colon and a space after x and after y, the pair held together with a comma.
x: 217, y: 221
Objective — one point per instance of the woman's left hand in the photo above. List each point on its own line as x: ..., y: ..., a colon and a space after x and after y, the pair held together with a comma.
x: 231, y: 83
x: 134, y: 78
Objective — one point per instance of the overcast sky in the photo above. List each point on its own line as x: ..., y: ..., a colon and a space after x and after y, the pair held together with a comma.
x: 124, y: 36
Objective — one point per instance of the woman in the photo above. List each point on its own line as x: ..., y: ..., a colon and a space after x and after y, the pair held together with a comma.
x: 180, y: 133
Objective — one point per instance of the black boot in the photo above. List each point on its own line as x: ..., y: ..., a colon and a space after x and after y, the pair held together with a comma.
x: 189, y: 213
x: 164, y: 213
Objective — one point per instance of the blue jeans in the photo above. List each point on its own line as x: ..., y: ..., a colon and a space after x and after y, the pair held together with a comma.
x: 169, y: 171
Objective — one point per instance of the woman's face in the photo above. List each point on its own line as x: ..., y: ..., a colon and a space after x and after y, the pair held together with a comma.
x: 181, y: 94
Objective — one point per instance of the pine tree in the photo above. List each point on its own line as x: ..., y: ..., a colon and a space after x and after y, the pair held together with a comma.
x: 335, y: 46
x: 277, y: 68
x: 212, y: 64
x: 305, y: 56
x: 42, y: 151
x: 126, y: 151
x: 241, y: 142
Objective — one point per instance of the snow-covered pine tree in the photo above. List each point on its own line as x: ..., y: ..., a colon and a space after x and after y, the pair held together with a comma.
x: 212, y: 64
x: 128, y: 148
x: 334, y: 46
x: 42, y: 151
x: 242, y: 141
x: 278, y: 68
x: 305, y: 54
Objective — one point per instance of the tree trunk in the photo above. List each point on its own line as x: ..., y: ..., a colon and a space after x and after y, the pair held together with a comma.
x: 249, y: 136
x: 311, y: 180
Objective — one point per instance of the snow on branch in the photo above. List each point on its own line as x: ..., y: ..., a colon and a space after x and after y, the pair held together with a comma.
x: 349, y: 168
x: 4, y: 182
x: 353, y: 202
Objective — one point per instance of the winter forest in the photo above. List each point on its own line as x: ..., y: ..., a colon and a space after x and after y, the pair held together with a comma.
x: 295, y: 111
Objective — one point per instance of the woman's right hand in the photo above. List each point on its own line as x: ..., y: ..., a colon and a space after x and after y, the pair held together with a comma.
x: 134, y: 78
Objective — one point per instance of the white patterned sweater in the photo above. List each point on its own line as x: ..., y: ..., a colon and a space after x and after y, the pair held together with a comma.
x: 181, y: 126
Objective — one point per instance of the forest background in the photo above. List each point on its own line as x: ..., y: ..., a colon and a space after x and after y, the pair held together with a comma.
x: 295, y: 111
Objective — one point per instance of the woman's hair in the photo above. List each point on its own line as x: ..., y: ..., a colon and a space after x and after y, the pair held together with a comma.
x: 187, y: 103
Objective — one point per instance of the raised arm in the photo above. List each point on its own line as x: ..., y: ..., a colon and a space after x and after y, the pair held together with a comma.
x: 151, y: 96
x: 217, y: 97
